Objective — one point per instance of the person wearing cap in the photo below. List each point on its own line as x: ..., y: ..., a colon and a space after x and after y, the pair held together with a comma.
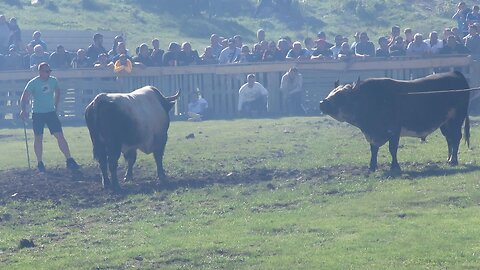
x: 230, y: 53
x: 252, y: 98
x: 45, y: 93
x: 322, y: 51
x: 297, y: 52
x: 291, y: 87
x: 364, y: 48
x: 96, y: 47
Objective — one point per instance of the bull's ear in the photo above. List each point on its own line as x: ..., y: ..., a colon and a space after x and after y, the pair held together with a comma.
x: 337, y: 83
x: 356, y: 83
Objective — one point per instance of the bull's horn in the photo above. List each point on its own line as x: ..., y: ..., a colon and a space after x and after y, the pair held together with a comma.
x: 174, y: 97
x: 337, y: 83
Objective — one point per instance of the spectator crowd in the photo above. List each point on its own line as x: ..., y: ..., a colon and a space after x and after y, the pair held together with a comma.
x: 461, y: 39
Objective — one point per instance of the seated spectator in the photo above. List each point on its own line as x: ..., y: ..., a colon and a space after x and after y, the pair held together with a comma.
x: 459, y: 34
x: 283, y: 47
x: 38, y: 56
x: 26, y: 57
x: 215, y: 44
x: 408, y: 36
x: 395, y: 32
x: 197, y: 107
x: 269, y: 54
x: 80, y: 60
x: 103, y: 62
x: 446, y: 33
x: 15, y: 33
x: 472, y: 41
x: 142, y: 59
x: 454, y: 47
x: 123, y: 64
x: 321, y: 51
x: 207, y: 58
x: 382, y: 51
x: 322, y: 35
x: 434, y: 43
x: 170, y: 57
x: 13, y: 59
x: 96, y: 47
x: 37, y: 40
x: 364, y: 48
x: 356, y: 36
x: 398, y: 48
x: 338, y: 45
x: 257, y: 52
x: 309, y: 44
x: 418, y: 47
x: 157, y: 54
x: 252, y: 98
x: 121, y: 49
x: 187, y: 56
x: 4, y: 34
x: 297, y: 52
x: 291, y: 86
x: 113, y: 52
x: 229, y: 54
x: 260, y: 35
x: 245, y: 56
x: 238, y: 41
x: 60, y: 59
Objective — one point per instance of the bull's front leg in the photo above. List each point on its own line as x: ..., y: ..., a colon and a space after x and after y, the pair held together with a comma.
x: 113, y: 156
x: 393, y: 148
x: 130, y: 156
x: 102, y: 160
x: 373, y: 157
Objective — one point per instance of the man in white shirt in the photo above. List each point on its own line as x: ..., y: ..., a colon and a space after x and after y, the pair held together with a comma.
x: 252, y: 98
x: 291, y: 87
x: 197, y: 107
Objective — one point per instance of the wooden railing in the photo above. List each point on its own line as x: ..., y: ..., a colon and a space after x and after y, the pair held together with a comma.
x: 219, y: 84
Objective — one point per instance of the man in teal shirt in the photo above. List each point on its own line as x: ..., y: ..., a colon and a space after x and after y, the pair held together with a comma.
x: 45, y: 93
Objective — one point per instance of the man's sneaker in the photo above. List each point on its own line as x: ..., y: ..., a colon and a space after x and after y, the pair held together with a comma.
x: 72, y: 165
x: 41, y: 166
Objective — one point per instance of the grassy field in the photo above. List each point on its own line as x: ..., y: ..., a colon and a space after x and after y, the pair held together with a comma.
x: 287, y: 193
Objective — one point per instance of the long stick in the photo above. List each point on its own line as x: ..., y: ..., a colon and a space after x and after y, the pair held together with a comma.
x: 26, y: 142
x: 444, y: 91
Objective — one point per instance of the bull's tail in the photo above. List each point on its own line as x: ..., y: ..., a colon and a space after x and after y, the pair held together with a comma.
x: 93, y: 124
x: 466, y: 131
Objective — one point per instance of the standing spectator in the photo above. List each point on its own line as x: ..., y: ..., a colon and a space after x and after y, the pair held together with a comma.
x: 45, y: 92
x: 143, y: 59
x: 258, y: 51
x: 291, y: 87
x: 398, y: 48
x: 238, y: 41
x: 364, y: 47
x: 434, y: 43
x: 207, y: 57
x: 252, y: 98
x: 113, y: 52
x: 38, y: 56
x: 229, y: 54
x: 269, y: 54
x: 395, y: 32
x: 260, y: 35
x: 297, y: 52
x: 461, y: 16
x: 123, y: 64
x: 102, y: 62
x: 170, y: 57
x: 121, y: 49
x: 446, y: 33
x: 157, y: 54
x: 96, y: 47
x: 216, y: 46
x: 37, y: 40
x: 474, y: 16
x: 356, y: 37
x: 60, y: 59
x: 4, y: 34
x: 345, y: 53
x: 382, y: 51
x: 418, y: 47
x: 15, y: 33
x: 309, y: 44
x: 322, y: 51
x: 408, y: 36
x: 26, y: 57
x: 283, y: 47
x: 81, y: 60
x: 187, y: 56
x: 322, y: 35
x: 472, y: 41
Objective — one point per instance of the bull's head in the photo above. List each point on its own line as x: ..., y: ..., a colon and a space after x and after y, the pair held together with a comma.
x: 340, y: 103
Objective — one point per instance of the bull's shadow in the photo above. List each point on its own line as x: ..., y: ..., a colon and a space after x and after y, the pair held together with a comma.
x: 431, y: 169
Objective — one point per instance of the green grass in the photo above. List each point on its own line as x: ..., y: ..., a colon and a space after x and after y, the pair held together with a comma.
x: 319, y: 210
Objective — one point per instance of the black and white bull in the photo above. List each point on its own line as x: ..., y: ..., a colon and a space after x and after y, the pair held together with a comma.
x: 124, y: 122
x: 385, y: 109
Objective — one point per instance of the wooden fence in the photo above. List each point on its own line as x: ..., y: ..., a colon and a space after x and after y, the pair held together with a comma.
x: 219, y: 84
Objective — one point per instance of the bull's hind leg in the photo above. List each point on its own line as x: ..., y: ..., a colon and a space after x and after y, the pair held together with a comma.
x: 373, y: 157
x: 453, y: 134
x: 393, y: 148
x: 158, y: 154
x: 113, y: 156
x: 102, y: 160
x: 130, y: 156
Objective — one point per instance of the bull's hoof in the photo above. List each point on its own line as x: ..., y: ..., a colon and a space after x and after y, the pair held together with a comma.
x: 128, y: 178
x: 452, y: 162
x: 395, y: 171
x: 106, y: 183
